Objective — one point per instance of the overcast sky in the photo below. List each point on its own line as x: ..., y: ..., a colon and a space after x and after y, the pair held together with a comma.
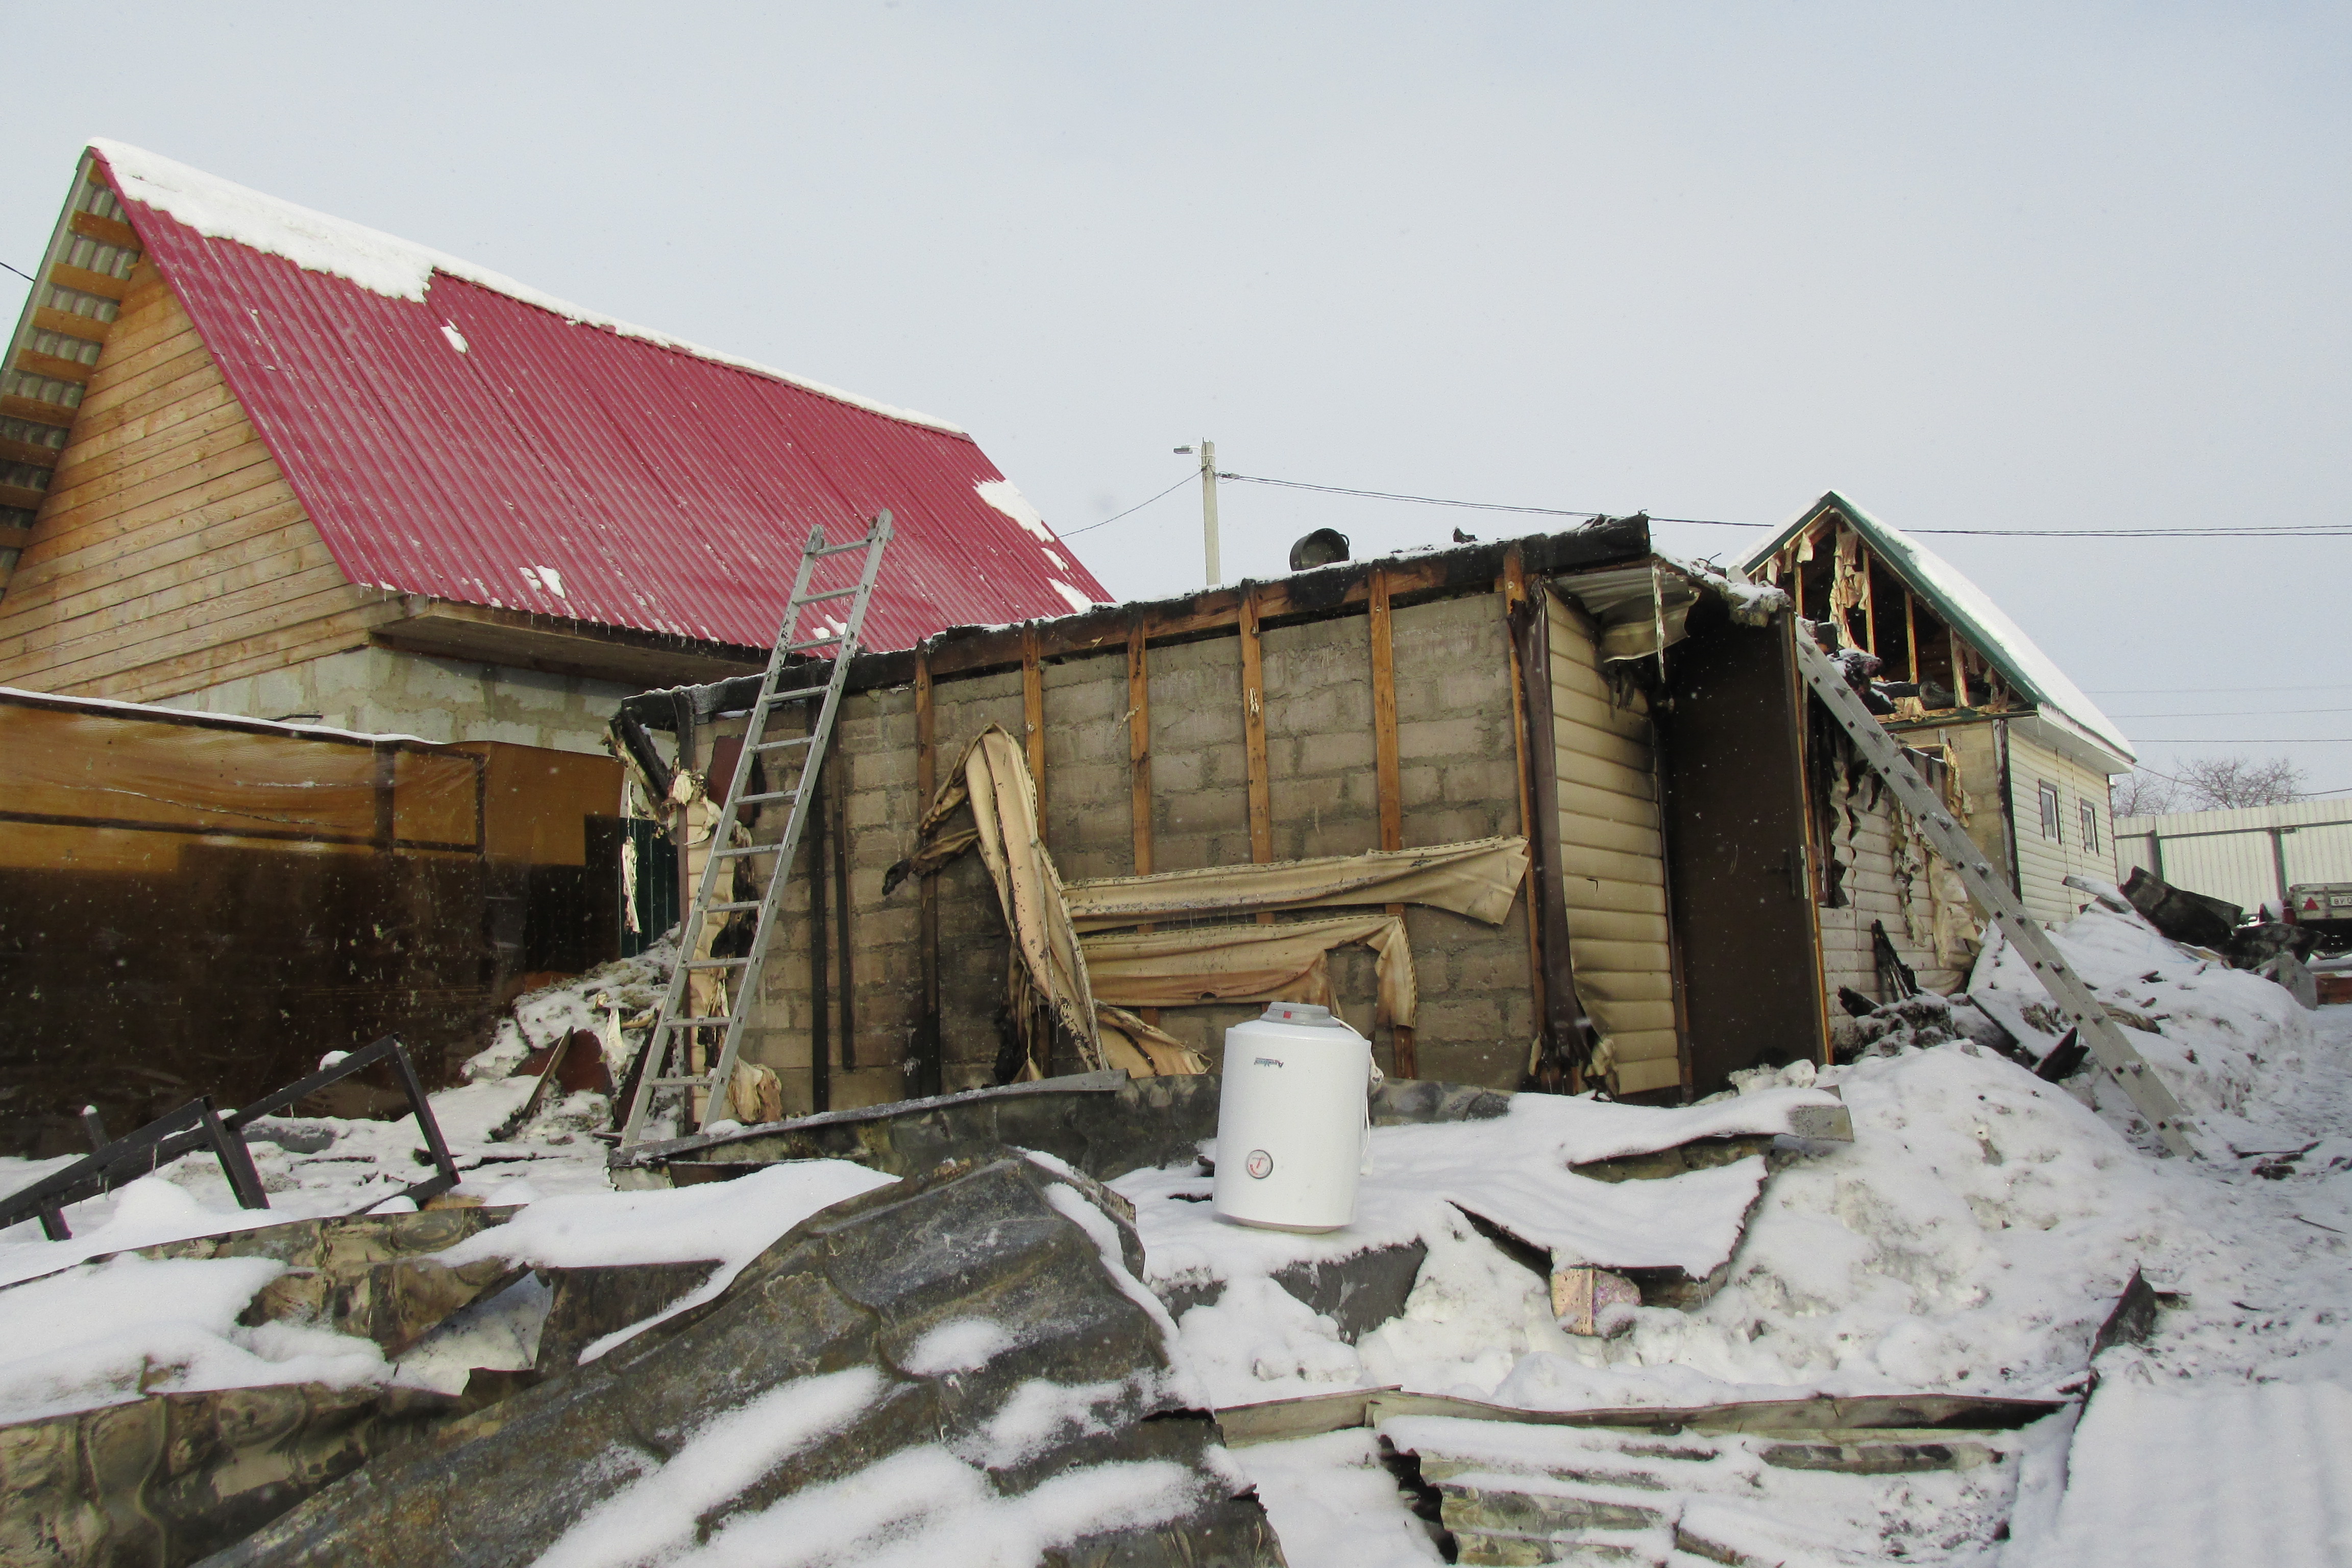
x: 1974, y: 267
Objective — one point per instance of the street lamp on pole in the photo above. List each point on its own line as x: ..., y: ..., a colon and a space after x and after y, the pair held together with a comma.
x: 1208, y: 506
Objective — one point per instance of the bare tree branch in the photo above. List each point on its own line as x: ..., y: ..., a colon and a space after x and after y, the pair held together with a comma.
x: 2218, y: 782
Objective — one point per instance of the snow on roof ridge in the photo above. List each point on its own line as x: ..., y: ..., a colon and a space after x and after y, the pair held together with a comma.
x: 386, y: 264
x: 2049, y: 684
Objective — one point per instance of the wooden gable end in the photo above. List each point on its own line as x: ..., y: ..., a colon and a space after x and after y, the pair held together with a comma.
x: 168, y: 552
x: 1832, y: 575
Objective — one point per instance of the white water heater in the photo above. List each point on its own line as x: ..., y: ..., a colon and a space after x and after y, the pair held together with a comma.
x: 1293, y: 1120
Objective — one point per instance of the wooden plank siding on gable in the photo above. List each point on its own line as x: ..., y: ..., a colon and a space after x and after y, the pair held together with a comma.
x: 168, y: 553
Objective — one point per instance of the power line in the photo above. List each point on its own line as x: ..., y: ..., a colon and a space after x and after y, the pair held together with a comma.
x: 2226, y: 713
x: 2244, y: 740
x: 2169, y: 690
x: 2274, y: 531
x: 1440, y: 501
x: 1139, y: 506
x: 21, y: 273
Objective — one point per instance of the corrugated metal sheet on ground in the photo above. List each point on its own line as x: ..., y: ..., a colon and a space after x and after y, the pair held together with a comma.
x: 668, y: 493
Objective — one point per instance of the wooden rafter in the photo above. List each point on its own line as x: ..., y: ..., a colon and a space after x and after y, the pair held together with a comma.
x: 92, y: 222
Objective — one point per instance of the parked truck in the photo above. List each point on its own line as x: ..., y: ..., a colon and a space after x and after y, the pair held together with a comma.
x: 2325, y: 908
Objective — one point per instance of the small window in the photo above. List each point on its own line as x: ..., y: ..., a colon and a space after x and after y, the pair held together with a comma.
x: 2050, y: 812
x: 2090, y: 828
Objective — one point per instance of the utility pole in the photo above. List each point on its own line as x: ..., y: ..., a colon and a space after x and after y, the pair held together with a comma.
x: 1208, y: 506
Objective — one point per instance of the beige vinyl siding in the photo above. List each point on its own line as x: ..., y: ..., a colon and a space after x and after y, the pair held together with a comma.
x: 1974, y: 749
x: 1612, y: 860
x: 2043, y: 863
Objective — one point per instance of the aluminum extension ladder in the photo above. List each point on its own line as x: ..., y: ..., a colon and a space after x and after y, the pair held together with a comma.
x: 2107, y: 1043
x: 672, y: 1051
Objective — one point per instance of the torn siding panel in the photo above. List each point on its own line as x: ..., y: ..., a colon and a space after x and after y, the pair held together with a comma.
x: 1480, y: 878
x: 1881, y: 883
x: 1612, y: 860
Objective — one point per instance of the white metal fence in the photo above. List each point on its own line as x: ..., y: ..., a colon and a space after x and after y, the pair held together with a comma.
x: 2250, y: 856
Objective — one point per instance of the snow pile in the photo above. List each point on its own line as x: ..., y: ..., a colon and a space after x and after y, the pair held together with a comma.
x: 2208, y: 1030
x: 1972, y: 1238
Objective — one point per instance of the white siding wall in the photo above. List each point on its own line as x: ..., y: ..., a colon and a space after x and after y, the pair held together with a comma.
x: 2228, y: 854
x: 2044, y: 863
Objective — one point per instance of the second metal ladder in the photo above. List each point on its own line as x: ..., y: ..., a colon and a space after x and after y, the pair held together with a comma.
x: 2107, y: 1040
x: 683, y: 1036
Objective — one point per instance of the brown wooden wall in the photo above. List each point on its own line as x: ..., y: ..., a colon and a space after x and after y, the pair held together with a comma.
x: 170, y: 553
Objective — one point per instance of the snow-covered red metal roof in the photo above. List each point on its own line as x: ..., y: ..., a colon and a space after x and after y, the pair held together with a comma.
x: 452, y: 433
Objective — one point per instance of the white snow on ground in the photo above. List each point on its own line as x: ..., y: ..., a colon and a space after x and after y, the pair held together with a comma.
x: 2257, y: 1474
x: 1333, y: 1505
x: 1971, y: 1240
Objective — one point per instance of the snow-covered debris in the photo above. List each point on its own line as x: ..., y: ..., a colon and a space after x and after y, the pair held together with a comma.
x: 1335, y: 1505
x: 109, y: 1333
x: 626, y: 989
x: 729, y: 1221
x: 1257, y: 1341
x: 787, y: 1423
x: 1910, y: 1023
x: 1751, y: 604
x: 1509, y: 1489
x: 2203, y: 1026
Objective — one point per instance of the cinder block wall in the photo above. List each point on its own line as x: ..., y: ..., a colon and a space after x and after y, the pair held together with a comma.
x: 1459, y: 757
x: 382, y: 691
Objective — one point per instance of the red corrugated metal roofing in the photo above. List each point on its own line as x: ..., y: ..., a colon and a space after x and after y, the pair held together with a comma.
x: 669, y: 493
